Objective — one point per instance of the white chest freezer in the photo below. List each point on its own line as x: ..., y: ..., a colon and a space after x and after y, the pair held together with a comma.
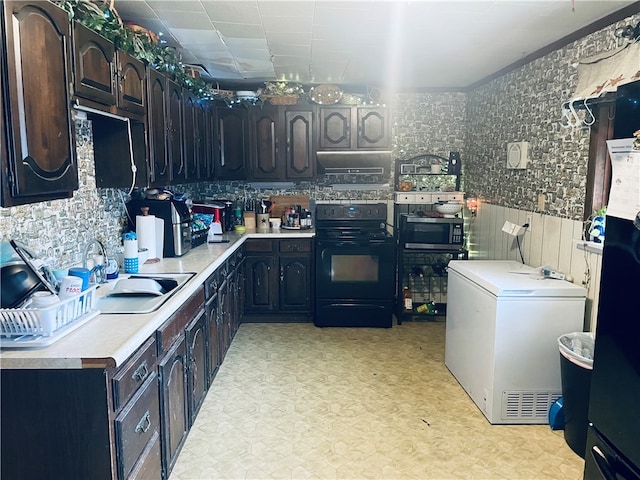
x: 502, y: 327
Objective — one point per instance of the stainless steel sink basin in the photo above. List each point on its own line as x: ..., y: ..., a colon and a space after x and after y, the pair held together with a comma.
x: 140, y: 302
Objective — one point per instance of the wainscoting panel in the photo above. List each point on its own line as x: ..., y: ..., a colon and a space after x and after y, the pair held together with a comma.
x: 550, y: 241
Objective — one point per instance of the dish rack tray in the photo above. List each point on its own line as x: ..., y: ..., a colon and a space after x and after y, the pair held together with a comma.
x: 39, y: 327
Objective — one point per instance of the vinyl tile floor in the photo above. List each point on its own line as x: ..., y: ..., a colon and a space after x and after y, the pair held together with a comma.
x: 293, y: 401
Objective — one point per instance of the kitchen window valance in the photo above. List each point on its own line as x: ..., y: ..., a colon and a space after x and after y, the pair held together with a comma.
x: 605, y: 72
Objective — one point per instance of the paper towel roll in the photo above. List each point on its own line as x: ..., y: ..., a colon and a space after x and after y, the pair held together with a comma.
x: 159, y: 237
x: 146, y: 232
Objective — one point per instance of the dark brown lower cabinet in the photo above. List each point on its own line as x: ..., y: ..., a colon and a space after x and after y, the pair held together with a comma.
x: 125, y: 423
x: 277, y: 280
x: 175, y: 423
x: 197, y: 366
x: 136, y: 425
x: 98, y: 423
x: 174, y: 373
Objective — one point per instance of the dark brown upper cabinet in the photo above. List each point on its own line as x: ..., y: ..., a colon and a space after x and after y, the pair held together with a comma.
x: 190, y: 140
x: 281, y: 143
x: 174, y: 114
x: 203, y: 140
x: 299, y: 150
x: 40, y: 162
x: 159, y: 166
x: 352, y: 128
x: 106, y: 78
x: 230, y: 159
x: 265, y: 127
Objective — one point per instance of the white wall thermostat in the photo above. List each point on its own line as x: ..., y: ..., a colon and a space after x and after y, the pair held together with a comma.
x: 517, y: 155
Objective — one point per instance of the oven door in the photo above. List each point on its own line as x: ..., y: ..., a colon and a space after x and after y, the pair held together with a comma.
x: 355, y: 269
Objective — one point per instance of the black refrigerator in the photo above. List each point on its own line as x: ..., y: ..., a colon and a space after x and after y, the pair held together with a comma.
x: 613, y: 438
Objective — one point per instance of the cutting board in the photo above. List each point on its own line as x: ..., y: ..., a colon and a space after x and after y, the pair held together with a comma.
x: 281, y: 202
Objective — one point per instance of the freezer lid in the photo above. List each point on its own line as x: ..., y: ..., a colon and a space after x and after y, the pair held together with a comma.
x: 507, y: 278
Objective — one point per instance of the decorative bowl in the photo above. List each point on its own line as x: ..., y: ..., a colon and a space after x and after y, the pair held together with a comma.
x: 405, y: 186
x: 449, y: 210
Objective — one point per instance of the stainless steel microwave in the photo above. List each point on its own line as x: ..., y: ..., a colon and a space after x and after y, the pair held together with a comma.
x: 430, y: 233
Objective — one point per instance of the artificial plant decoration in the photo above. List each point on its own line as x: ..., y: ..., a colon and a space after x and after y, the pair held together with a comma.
x: 138, y: 42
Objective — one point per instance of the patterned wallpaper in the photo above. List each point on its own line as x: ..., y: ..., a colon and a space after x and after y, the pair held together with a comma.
x: 525, y: 105
x: 522, y: 105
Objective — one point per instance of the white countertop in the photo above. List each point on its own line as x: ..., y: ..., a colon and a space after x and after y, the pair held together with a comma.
x: 108, y: 340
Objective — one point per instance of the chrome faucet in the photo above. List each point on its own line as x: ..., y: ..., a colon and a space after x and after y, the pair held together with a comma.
x: 98, y: 271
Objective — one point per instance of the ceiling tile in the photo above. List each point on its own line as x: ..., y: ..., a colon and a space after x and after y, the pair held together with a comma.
x: 240, y: 30
x: 177, y: 6
x: 232, y: 12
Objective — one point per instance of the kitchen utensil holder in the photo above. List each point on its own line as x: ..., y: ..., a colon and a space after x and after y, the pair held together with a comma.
x: 22, y: 326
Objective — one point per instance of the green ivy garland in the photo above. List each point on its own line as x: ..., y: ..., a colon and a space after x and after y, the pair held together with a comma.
x: 103, y: 19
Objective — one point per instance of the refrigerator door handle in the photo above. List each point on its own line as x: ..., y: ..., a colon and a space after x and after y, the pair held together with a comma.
x: 603, y: 464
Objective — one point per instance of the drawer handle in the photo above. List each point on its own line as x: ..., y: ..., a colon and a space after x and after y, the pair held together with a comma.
x: 144, y: 424
x: 141, y: 372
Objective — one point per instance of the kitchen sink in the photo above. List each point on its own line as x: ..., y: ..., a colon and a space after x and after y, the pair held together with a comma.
x: 135, y: 297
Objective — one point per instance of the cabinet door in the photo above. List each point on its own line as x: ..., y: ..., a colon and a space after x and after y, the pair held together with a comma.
x: 197, y: 365
x: 160, y: 173
x: 131, y: 84
x: 202, y: 139
x: 174, y: 116
x: 295, y: 283
x: 232, y: 143
x: 299, y: 152
x: 335, y: 128
x: 41, y: 142
x: 265, y: 125
x: 238, y: 300
x: 211, y: 142
x: 213, y: 337
x: 224, y: 312
x: 95, y: 67
x: 173, y: 398
x: 373, y: 128
x: 261, y: 283
x: 189, y: 126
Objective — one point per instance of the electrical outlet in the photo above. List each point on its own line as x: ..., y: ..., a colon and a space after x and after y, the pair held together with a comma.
x: 529, y: 221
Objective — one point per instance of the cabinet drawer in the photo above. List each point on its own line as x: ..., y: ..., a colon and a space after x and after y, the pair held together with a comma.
x: 295, y: 245
x: 259, y: 245
x: 423, y: 198
x: 134, y: 372
x: 136, y: 425
x: 211, y: 284
x: 170, y: 330
x: 149, y: 465
x: 405, y: 197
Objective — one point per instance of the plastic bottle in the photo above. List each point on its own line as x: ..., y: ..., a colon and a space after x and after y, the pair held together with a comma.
x: 408, y: 300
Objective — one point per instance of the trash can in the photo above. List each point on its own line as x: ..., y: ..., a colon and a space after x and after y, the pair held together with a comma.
x: 576, y: 364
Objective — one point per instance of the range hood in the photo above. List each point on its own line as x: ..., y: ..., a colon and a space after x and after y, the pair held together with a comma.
x: 355, y: 167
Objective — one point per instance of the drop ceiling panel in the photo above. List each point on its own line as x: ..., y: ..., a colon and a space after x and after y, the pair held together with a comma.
x: 414, y: 44
x: 232, y: 12
x: 240, y: 30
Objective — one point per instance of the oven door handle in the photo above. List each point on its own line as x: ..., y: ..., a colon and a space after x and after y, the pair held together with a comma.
x: 342, y: 243
x: 356, y: 305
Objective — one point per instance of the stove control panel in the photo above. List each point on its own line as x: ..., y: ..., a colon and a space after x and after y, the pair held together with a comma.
x: 373, y: 211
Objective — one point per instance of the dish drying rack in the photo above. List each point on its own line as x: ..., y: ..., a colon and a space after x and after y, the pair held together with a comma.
x: 40, y: 327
